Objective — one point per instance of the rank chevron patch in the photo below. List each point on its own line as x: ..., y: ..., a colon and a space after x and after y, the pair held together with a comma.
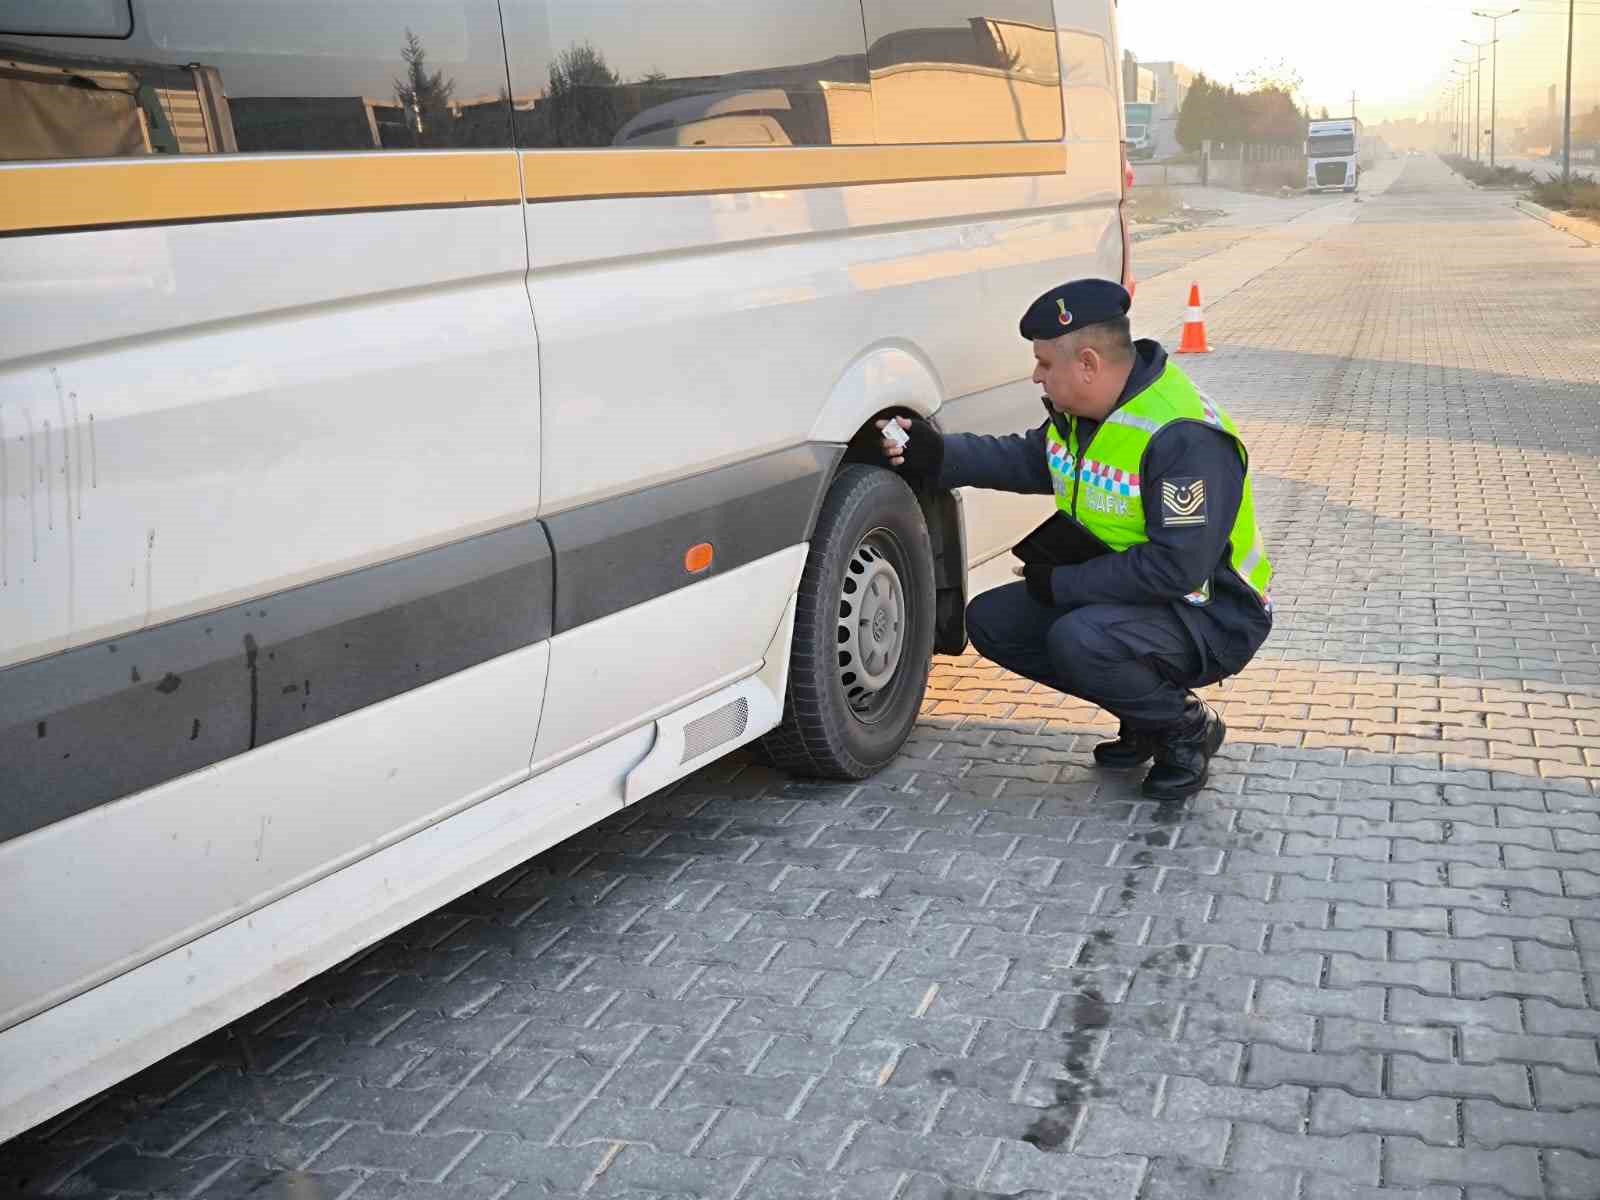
x: 1183, y: 502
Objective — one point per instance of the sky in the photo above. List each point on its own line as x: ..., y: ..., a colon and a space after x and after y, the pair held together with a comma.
x: 1394, y: 54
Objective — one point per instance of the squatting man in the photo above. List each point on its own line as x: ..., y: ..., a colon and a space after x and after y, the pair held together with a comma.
x: 1151, y: 579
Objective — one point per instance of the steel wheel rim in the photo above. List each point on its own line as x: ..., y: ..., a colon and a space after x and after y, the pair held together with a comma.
x: 871, y: 623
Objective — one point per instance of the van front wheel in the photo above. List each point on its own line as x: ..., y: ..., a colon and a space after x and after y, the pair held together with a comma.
x: 863, y: 632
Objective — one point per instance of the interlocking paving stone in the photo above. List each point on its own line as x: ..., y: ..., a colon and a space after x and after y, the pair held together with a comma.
x: 1414, y: 1079
x: 1572, y: 1176
x: 1490, y: 1125
x: 1352, y: 1156
x: 1433, y: 1120
x: 1513, y: 1169
x: 1361, y: 965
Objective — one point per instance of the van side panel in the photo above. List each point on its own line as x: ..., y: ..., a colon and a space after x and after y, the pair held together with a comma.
x: 184, y: 478
x: 273, y: 591
x: 744, y: 311
x: 148, y: 873
x: 1086, y: 38
x: 680, y: 333
x: 200, y: 414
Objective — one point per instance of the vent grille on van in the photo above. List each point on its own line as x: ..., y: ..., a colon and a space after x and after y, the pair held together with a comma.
x: 707, y: 732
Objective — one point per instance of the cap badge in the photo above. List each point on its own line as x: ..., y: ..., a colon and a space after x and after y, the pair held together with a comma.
x: 1065, y: 318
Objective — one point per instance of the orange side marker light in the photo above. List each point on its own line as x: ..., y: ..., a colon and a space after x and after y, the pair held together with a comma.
x: 697, y: 559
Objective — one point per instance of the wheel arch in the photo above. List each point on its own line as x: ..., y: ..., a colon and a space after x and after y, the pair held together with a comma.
x: 892, y: 379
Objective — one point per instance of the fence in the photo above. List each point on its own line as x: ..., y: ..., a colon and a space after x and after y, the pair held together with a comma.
x: 1166, y: 174
x: 1253, y: 166
x: 1252, y: 152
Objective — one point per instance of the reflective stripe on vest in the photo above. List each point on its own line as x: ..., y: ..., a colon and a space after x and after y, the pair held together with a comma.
x: 1099, y: 485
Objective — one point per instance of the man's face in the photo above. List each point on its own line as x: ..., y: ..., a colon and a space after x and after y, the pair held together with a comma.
x: 1075, y: 380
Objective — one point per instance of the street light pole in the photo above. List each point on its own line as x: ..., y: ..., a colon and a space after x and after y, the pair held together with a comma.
x: 1477, y: 110
x: 1477, y: 113
x: 1466, y: 100
x: 1566, y: 139
x: 1494, y: 20
x: 1455, y: 116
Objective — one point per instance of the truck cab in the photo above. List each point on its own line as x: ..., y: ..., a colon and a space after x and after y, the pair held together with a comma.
x: 1333, y: 154
x: 1140, y: 138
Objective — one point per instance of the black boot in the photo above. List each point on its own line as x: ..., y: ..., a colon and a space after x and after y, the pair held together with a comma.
x: 1132, y: 748
x: 1184, y: 755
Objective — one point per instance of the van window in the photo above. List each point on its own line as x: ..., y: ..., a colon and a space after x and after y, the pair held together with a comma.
x: 665, y: 73
x: 227, y: 76
x: 964, y: 70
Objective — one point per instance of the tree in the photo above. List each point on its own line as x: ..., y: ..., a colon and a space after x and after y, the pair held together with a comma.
x: 1324, y: 116
x: 424, y: 99
x: 1196, y: 117
x: 1271, y: 115
x: 1232, y: 117
x: 1276, y: 75
x: 1587, y: 127
x: 580, y: 108
x: 1218, y: 113
x: 1212, y: 112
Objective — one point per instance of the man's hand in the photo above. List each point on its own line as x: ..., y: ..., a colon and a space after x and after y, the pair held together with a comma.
x: 923, y: 451
x: 1039, y: 579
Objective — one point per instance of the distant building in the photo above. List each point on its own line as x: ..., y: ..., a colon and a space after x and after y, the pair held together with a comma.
x: 1138, y: 83
x: 1173, y: 81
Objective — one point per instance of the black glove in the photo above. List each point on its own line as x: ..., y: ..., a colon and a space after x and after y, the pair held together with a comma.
x: 1039, y: 578
x: 924, y: 453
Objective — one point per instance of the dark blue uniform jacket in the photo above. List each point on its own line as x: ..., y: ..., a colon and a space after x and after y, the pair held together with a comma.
x: 1176, y: 560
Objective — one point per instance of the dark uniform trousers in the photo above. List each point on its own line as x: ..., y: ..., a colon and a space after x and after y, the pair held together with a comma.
x: 1138, y: 662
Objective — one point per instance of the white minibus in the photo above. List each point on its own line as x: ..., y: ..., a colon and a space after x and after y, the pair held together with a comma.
x: 429, y: 426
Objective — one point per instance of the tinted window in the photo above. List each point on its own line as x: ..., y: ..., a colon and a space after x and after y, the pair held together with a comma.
x: 223, y: 76
x: 663, y: 73
x: 964, y: 70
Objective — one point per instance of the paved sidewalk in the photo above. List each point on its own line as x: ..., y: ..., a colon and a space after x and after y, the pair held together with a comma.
x: 1363, y: 965
x: 1243, y: 215
x: 1226, y: 258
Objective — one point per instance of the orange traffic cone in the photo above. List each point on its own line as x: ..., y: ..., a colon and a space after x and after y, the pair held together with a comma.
x: 1194, y: 326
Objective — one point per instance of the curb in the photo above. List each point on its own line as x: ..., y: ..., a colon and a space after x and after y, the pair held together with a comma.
x: 1537, y: 211
x: 1587, y: 232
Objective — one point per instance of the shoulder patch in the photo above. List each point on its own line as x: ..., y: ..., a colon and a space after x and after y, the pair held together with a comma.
x: 1183, y: 502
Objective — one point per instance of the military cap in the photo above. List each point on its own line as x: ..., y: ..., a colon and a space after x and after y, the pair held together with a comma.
x: 1074, y: 306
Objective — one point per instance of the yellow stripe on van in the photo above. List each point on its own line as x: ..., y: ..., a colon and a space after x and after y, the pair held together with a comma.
x: 71, y: 195
x: 37, y: 197
x: 594, y: 174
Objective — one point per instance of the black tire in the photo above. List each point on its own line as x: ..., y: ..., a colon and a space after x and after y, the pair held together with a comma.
x: 831, y: 728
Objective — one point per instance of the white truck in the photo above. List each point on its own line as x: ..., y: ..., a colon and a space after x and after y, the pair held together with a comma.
x: 1333, y: 155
